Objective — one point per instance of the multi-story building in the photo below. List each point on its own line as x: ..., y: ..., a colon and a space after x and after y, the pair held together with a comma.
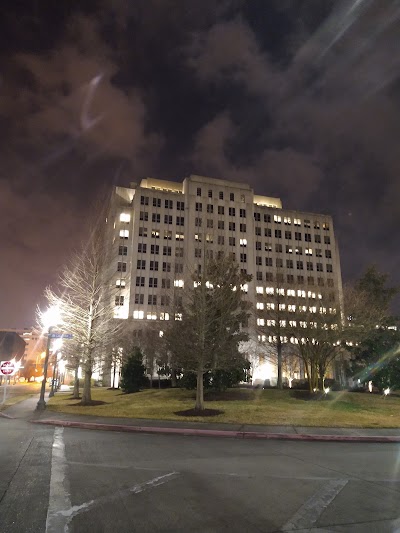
x: 162, y: 231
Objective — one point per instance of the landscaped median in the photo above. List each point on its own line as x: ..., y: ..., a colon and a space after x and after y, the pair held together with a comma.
x: 244, y: 406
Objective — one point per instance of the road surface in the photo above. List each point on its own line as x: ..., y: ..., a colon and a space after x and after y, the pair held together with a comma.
x: 57, y: 480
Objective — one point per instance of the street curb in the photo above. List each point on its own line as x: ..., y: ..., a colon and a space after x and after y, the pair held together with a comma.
x: 218, y: 433
x: 4, y: 415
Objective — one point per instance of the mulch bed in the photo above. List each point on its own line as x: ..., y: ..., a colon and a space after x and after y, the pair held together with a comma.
x: 90, y: 404
x: 199, y: 412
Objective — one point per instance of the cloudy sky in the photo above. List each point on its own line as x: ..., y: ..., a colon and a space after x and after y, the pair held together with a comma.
x: 298, y: 98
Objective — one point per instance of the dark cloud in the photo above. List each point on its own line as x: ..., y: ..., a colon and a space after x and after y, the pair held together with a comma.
x: 299, y: 99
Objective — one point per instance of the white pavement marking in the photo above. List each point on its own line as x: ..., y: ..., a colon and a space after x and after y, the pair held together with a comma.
x: 69, y: 513
x: 59, y: 497
x: 309, y: 513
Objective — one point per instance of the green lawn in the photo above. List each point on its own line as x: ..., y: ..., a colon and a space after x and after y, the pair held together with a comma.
x: 272, y: 407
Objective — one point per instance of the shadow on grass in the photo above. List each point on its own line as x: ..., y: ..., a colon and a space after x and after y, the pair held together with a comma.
x: 88, y: 404
x: 199, y: 412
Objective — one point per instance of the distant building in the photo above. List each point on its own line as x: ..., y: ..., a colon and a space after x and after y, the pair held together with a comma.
x: 160, y: 232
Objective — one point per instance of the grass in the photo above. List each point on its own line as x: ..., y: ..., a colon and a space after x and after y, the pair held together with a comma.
x: 270, y: 407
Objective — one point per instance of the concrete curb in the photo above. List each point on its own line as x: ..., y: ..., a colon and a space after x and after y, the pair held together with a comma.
x: 4, y: 415
x: 218, y: 433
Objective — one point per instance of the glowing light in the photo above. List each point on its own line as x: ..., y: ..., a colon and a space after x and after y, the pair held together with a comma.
x: 370, y: 386
x: 326, y: 390
x: 51, y: 317
x: 386, y: 391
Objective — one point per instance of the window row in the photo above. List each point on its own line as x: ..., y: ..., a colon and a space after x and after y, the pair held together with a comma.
x: 289, y: 249
x: 220, y: 224
x: 267, y: 218
x: 290, y: 264
x: 298, y: 236
x: 168, y: 204
x: 155, y: 266
x: 220, y: 195
x: 221, y: 210
x: 156, y: 218
x: 153, y: 282
x: 290, y: 278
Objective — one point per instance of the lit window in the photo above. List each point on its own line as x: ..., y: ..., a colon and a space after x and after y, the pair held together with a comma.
x: 209, y: 285
x: 270, y: 306
x: 244, y: 287
x: 292, y: 323
x: 178, y: 316
x: 301, y: 293
x: 313, y: 309
x: 260, y: 322
x: 291, y: 292
x: 297, y: 222
x: 260, y: 290
x: 120, y: 283
x: 308, y: 251
x: 269, y: 290
x: 282, y: 324
x: 277, y: 219
x: 261, y: 338
x: 291, y: 308
x: 197, y: 237
x: 243, y: 242
x: 138, y: 314
x: 271, y: 323
x: 124, y: 233
x: 287, y: 220
x: 260, y: 305
x: 178, y: 283
x: 303, y: 324
x: 151, y: 316
x: 282, y: 307
x: 124, y: 217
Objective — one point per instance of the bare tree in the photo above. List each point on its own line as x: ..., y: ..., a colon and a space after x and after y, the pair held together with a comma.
x: 84, y: 297
x: 208, y: 331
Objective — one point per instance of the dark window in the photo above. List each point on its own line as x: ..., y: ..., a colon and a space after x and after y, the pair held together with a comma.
x: 288, y: 234
x: 278, y: 233
x: 198, y: 191
x: 231, y: 197
x: 180, y: 205
x: 259, y: 276
x: 142, y: 248
x: 144, y: 200
x: 232, y: 241
x: 167, y: 219
x: 329, y: 268
x: 168, y: 204
x: 269, y: 276
x: 154, y: 265
x: 242, y: 213
x: 139, y: 298
x: 166, y: 283
x: 156, y: 202
x: 221, y: 210
x: 267, y: 232
x: 307, y: 237
x: 310, y: 280
x: 221, y: 195
x: 139, y: 281
x: 257, y: 217
x: 119, y: 300
x: 327, y: 239
x: 210, y: 223
x: 197, y: 222
x: 329, y: 282
x: 232, y: 226
x: 164, y: 300
x: 328, y: 254
x: 221, y: 224
x: 180, y: 221
x: 209, y: 193
x: 299, y: 265
x: 289, y: 263
x: 178, y: 268
x: 267, y: 218
x: 258, y: 260
x: 279, y: 262
x: 257, y: 230
x: 152, y: 299
x: 268, y: 261
x: 141, y: 264
x: 156, y: 217
x: 166, y: 250
x: 310, y: 266
x: 153, y: 282
x: 121, y: 267
x: 221, y: 239
x: 278, y: 248
x: 166, y: 267
x: 318, y: 252
x: 320, y: 267
x: 123, y: 250
x: 300, y: 279
x: 199, y: 206
x: 321, y: 282
x: 242, y: 228
x: 142, y: 232
x: 290, y: 278
x: 317, y: 238
x: 155, y: 249
x: 210, y: 208
x: 297, y: 235
x: 143, y: 215
x: 258, y: 245
x: 232, y: 211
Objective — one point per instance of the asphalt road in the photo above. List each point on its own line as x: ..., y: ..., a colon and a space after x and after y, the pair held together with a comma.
x: 58, y: 480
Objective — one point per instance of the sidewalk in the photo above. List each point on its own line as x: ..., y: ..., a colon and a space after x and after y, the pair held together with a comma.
x: 26, y: 410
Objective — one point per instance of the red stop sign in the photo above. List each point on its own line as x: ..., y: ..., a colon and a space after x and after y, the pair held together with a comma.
x: 6, y: 368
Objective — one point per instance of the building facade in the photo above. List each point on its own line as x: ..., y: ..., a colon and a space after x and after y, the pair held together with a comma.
x: 162, y: 231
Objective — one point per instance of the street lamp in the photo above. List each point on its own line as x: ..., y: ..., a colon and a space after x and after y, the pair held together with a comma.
x: 49, y: 319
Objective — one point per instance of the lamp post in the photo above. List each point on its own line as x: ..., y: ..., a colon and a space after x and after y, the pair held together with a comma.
x: 49, y: 319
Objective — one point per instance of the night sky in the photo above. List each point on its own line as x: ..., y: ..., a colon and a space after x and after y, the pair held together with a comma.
x: 298, y: 98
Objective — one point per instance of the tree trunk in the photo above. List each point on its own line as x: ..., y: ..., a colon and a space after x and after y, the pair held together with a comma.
x: 87, y: 388
x: 200, y: 391
x: 174, y: 381
x: 151, y: 380
x: 159, y: 381
x: 114, y: 372
x: 279, y: 347
x: 75, y: 393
